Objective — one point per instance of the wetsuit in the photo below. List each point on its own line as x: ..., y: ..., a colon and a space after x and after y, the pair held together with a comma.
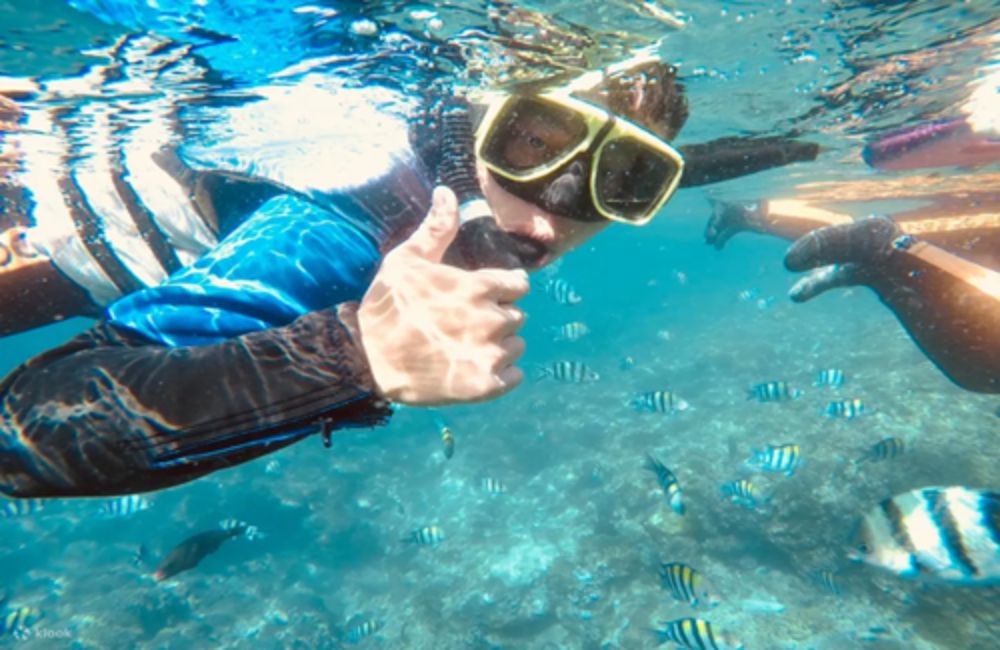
x: 242, y: 349
x: 936, y: 265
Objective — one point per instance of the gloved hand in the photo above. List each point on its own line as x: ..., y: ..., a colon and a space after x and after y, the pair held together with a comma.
x: 435, y: 334
x: 842, y: 255
x: 730, y: 218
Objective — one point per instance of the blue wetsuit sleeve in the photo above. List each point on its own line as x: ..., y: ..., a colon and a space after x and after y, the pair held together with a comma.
x: 289, y: 258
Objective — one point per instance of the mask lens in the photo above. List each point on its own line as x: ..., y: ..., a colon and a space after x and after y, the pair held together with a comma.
x: 631, y: 178
x: 531, y: 133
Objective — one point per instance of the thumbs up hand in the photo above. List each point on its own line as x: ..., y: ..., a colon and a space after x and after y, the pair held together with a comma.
x: 435, y: 334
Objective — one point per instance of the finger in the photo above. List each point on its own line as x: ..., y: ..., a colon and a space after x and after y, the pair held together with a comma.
x: 513, y: 320
x: 824, y: 279
x: 507, y: 380
x: 438, y: 229
x: 503, y: 286
x: 511, y: 349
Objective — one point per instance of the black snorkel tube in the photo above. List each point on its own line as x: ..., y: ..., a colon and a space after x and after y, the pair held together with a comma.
x: 480, y: 243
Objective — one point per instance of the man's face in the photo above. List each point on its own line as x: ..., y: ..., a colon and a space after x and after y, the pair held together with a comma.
x: 515, y: 215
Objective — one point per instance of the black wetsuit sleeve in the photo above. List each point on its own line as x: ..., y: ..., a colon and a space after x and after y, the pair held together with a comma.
x: 727, y: 158
x: 110, y: 413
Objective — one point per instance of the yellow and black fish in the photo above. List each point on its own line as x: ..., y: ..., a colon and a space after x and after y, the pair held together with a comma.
x: 696, y: 634
x: 668, y: 483
x: 773, y: 391
x: 685, y: 584
x: 846, y: 409
x: 425, y: 536
x: 741, y: 492
x: 447, y: 442
x: 784, y: 458
x: 885, y: 449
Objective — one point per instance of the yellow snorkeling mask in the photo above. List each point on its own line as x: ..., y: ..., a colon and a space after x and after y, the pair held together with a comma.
x: 576, y: 159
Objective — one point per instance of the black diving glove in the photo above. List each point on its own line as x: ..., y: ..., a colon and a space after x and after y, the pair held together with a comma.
x: 843, y: 255
x: 729, y: 218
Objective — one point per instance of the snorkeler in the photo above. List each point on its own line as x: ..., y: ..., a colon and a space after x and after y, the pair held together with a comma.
x: 321, y: 301
x: 937, y: 267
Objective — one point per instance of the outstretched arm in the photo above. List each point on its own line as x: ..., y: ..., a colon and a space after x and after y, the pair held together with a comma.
x: 112, y: 412
x: 949, y: 305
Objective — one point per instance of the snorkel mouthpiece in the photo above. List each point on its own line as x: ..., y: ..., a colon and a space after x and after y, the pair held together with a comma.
x: 479, y: 243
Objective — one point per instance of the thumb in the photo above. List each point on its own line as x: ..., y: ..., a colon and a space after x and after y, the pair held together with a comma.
x: 437, y: 231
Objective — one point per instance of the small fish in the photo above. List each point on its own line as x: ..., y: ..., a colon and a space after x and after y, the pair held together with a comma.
x: 249, y: 532
x: 125, y: 506
x: 658, y: 401
x: 568, y: 372
x: 777, y: 458
x: 493, y: 486
x: 627, y: 363
x: 748, y: 295
x: 696, y: 634
x: 140, y: 557
x: 573, y: 331
x: 668, y: 483
x: 947, y: 533
x: 885, y: 449
x: 447, y: 442
x: 17, y: 622
x: 741, y: 492
x: 561, y: 291
x: 832, y: 377
x: 828, y: 580
x: 191, y: 551
x: 773, y: 391
x: 361, y: 630
x: 681, y: 277
x: 21, y: 508
x: 765, y: 303
x: 425, y: 536
x: 272, y: 467
x: 847, y: 409
x: 664, y: 335
x: 685, y: 584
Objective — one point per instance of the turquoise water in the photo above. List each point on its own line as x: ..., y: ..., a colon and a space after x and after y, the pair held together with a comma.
x: 567, y: 557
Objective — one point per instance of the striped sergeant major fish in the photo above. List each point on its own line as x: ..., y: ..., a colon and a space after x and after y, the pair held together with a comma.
x: 447, y: 437
x: 249, y: 532
x: 493, y: 485
x: 885, y: 449
x: 425, y: 536
x: 668, y: 483
x: 561, y: 291
x: 828, y: 580
x: 568, y: 372
x: 741, y: 492
x: 658, y: 401
x: 832, y: 377
x: 573, y: 331
x: 773, y: 391
x: 777, y: 458
x: 17, y: 622
x: 15, y: 508
x: 846, y: 409
x: 685, y: 584
x: 125, y: 506
x: 447, y: 442
x: 360, y: 629
x: 696, y: 634
x: 950, y: 534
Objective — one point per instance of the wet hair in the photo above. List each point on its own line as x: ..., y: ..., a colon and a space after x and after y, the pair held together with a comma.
x: 648, y: 94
